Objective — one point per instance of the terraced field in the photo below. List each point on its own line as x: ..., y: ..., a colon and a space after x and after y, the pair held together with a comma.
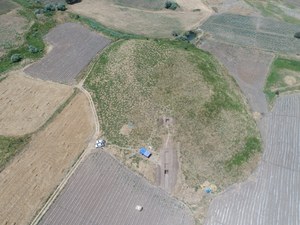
x: 73, y: 48
x: 255, y: 32
x: 103, y: 192
x: 272, y: 194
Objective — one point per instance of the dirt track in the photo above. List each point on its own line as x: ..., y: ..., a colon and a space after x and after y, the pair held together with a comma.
x: 26, y: 103
x: 33, y: 175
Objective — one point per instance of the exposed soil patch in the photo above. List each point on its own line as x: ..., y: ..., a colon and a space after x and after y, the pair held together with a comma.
x: 73, y: 48
x: 27, y: 182
x: 289, y: 80
x: 26, y: 103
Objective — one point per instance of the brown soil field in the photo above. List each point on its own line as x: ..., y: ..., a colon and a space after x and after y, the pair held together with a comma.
x: 73, y: 48
x: 27, y: 182
x: 26, y: 103
x: 145, y: 22
x: 12, y: 26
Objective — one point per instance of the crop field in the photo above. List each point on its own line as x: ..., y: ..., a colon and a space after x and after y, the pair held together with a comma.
x: 6, y: 6
x: 283, y: 77
x: 26, y: 104
x: 73, y: 48
x: 104, y: 192
x: 257, y: 32
x: 30, y: 178
x: 147, y: 22
x: 12, y: 26
x: 137, y: 83
x: 249, y: 67
x: 271, y: 195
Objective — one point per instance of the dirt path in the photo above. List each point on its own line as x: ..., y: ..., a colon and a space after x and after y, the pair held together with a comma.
x: 86, y: 152
x: 168, y: 166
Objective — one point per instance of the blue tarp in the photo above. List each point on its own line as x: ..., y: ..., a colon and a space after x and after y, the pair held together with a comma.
x: 145, y: 152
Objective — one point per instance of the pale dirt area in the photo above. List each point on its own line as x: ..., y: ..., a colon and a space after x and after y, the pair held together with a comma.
x: 144, y: 22
x: 27, y: 182
x: 27, y: 103
x: 12, y: 26
x: 289, y: 80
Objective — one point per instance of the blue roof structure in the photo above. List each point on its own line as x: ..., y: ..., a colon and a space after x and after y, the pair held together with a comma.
x: 145, y: 152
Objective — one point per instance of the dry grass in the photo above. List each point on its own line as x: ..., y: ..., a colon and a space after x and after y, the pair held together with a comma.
x: 12, y: 27
x: 26, y: 104
x: 144, y: 22
x: 32, y: 176
x: 138, y: 82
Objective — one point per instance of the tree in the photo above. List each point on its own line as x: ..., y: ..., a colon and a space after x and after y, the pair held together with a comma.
x: 72, y: 1
x: 297, y: 35
x: 171, y: 5
x: 16, y: 58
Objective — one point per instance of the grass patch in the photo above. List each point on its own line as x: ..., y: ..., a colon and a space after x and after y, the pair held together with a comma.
x: 32, y: 37
x: 282, y: 69
x: 252, y: 146
x: 271, y: 9
x: 139, y: 82
x: 10, y: 146
x: 105, y: 30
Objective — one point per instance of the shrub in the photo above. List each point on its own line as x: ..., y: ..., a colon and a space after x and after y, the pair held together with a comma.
x: 49, y: 8
x: 171, y: 5
x: 38, y: 11
x: 72, y: 1
x: 61, y: 7
x: 297, y: 35
x: 16, y: 58
x: 33, y: 49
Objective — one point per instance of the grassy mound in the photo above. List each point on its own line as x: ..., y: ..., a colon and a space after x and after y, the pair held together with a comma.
x: 284, y: 77
x: 136, y: 83
x: 141, y: 4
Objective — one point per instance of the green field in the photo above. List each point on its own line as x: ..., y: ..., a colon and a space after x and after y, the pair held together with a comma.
x: 136, y: 83
x: 10, y: 146
x: 6, y: 6
x: 284, y: 77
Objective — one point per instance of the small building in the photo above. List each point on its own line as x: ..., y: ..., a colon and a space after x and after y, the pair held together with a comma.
x: 145, y: 152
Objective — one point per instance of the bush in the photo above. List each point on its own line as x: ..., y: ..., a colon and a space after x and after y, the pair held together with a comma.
x: 38, y: 11
x: 15, y: 58
x: 171, y: 5
x: 33, y: 49
x: 61, y: 7
x: 49, y: 8
x: 297, y: 35
x: 72, y: 1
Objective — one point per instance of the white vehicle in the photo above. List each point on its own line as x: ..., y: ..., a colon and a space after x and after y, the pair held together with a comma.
x: 100, y: 143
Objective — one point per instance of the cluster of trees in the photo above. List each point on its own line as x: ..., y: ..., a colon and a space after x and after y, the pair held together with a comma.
x: 171, y: 5
x: 297, y: 35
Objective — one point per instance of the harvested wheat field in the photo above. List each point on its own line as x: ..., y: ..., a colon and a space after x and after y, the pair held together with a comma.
x: 142, y: 18
x: 73, y: 48
x: 27, y: 182
x: 26, y: 103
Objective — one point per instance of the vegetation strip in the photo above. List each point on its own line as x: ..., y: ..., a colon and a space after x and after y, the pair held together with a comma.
x: 11, y: 146
x: 32, y: 39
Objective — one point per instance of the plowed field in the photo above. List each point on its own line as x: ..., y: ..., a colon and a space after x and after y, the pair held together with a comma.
x: 73, y: 48
x: 32, y: 176
x: 26, y: 103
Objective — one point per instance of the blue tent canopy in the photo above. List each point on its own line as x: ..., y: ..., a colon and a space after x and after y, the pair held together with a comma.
x: 145, y: 152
